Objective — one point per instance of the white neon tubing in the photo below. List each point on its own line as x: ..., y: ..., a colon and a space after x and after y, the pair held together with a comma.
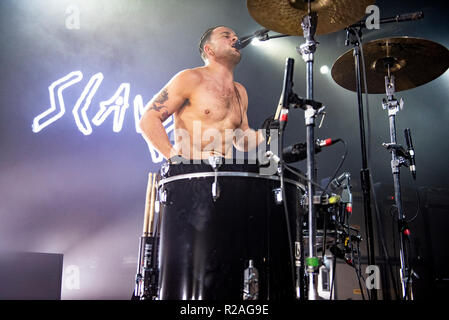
x: 66, y: 81
x: 89, y: 91
x: 117, y: 104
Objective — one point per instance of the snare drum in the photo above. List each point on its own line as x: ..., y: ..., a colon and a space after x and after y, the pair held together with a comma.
x: 208, y: 242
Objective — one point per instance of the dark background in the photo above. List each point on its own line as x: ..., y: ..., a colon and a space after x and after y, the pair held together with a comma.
x: 83, y: 195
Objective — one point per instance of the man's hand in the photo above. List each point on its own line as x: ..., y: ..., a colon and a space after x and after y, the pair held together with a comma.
x: 178, y: 159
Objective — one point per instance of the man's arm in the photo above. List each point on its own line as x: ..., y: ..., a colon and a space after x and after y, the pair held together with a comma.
x: 170, y: 99
x: 246, y: 138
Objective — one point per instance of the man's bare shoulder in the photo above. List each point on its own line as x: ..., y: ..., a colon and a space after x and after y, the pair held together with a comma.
x: 242, y: 91
x: 189, y: 76
x: 184, y: 82
x: 240, y: 86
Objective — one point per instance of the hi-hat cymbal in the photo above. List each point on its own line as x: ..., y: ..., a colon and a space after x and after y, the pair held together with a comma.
x: 285, y: 16
x: 413, y: 62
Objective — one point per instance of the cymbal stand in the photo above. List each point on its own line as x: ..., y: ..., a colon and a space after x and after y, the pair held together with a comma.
x: 307, y: 50
x: 398, y: 158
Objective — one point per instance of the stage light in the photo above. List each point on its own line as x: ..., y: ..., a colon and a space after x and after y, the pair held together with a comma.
x: 256, y: 42
x: 324, y: 69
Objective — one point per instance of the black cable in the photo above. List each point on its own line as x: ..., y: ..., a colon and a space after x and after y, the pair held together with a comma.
x: 397, y: 280
x: 334, y: 268
x: 287, y: 218
x: 360, y: 271
x: 409, y: 260
x: 409, y: 270
x: 382, y: 238
x: 358, y: 267
x: 359, y: 274
x: 343, y: 158
x: 418, y: 200
x: 418, y: 206
x: 324, y: 238
x: 357, y: 270
x: 304, y: 178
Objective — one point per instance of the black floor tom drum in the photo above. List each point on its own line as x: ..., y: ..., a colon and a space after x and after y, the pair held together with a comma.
x: 227, y: 243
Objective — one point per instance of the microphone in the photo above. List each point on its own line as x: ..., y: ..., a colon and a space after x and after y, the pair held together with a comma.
x: 339, y: 252
x: 411, y: 152
x: 404, y: 17
x: 328, y: 142
x: 286, y: 91
x: 244, y: 41
x: 397, y: 18
x: 298, y: 151
x: 336, y: 183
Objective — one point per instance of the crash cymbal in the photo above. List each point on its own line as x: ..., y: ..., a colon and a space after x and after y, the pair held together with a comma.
x: 285, y: 16
x: 413, y: 62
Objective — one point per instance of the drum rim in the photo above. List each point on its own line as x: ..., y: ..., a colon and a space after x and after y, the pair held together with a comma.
x: 226, y: 174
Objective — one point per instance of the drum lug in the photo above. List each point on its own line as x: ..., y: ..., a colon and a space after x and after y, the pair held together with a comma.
x: 251, y: 282
x: 277, y: 195
x: 215, y: 162
x: 164, y: 169
x: 163, y: 195
x: 215, y: 189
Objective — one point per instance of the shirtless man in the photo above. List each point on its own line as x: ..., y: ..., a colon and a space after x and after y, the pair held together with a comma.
x: 209, y: 107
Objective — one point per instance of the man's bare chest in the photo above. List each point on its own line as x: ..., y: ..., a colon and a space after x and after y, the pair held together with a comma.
x: 215, y: 103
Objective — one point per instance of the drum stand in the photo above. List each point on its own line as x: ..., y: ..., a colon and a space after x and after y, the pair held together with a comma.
x: 398, y: 157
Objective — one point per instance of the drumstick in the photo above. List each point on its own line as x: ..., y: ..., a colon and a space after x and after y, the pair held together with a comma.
x: 153, y: 198
x: 278, y: 112
x: 149, y: 205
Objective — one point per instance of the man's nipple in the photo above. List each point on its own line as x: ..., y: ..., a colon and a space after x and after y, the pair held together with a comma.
x: 206, y: 111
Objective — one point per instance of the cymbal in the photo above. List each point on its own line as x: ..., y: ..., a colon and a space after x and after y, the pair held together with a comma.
x: 413, y: 62
x: 285, y: 16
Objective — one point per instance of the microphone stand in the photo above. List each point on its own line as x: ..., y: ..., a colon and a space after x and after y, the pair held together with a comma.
x: 398, y: 158
x: 364, y: 173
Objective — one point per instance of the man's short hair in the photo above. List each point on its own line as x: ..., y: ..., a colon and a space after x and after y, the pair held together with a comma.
x: 205, y: 39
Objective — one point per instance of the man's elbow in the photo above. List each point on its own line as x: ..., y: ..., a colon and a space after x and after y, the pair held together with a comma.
x: 146, y: 121
x: 142, y: 124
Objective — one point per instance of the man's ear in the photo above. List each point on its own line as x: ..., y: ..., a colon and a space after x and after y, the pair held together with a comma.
x: 208, y: 49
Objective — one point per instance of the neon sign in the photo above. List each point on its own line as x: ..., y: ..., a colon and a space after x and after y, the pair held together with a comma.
x: 116, y: 106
